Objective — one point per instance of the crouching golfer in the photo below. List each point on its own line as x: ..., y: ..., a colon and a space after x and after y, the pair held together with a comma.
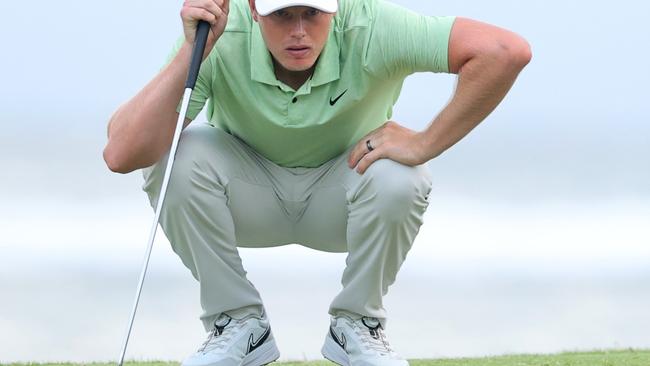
x: 299, y: 149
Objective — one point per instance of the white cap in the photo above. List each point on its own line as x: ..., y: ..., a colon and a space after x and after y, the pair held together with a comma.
x: 266, y: 7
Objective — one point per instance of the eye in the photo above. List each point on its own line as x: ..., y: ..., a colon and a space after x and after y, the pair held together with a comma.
x: 313, y: 12
x: 281, y: 13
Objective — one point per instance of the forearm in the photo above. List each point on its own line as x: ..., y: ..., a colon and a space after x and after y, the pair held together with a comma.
x: 482, y: 84
x: 141, y: 130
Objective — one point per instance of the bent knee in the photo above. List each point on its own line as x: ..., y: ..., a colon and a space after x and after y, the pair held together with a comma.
x: 399, y: 188
x: 197, y: 143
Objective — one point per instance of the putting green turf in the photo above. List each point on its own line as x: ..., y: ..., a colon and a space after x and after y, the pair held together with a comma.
x: 606, y: 358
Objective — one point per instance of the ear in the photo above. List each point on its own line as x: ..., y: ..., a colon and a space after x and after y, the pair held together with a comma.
x: 251, y: 4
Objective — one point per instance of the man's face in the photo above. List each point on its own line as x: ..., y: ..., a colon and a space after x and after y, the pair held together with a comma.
x: 295, y: 36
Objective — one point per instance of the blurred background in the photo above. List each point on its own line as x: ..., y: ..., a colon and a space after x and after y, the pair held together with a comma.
x: 537, y: 238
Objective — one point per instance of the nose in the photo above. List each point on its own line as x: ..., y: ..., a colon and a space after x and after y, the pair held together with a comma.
x: 298, y: 30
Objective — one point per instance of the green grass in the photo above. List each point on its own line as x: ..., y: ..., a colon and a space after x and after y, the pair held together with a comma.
x: 603, y: 358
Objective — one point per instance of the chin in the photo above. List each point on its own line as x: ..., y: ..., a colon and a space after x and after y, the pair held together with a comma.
x: 298, y: 65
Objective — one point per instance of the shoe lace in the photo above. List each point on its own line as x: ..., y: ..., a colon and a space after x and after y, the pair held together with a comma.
x: 377, y: 343
x: 219, y: 339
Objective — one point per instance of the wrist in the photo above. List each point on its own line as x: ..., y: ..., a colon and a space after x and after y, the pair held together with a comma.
x: 428, y: 145
x: 187, y: 48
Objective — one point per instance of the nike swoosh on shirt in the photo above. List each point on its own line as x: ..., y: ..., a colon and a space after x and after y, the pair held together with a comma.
x: 253, y: 345
x: 341, y: 342
x: 333, y: 101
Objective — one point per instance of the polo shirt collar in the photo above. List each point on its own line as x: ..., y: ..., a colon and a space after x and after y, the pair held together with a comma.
x: 327, y: 68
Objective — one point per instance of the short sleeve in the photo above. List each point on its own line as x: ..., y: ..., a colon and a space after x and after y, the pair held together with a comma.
x: 203, y: 87
x: 404, y: 42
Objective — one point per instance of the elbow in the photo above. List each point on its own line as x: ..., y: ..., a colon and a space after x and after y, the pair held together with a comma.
x: 120, y: 159
x: 522, y: 54
x: 115, y: 155
x: 516, y: 52
x: 508, y: 54
x: 114, y: 162
x: 110, y: 155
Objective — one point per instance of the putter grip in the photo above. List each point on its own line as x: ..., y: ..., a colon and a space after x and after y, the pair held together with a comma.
x: 197, y: 53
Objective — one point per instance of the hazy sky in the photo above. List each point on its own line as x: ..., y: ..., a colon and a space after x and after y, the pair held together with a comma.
x: 575, y: 126
x: 559, y: 172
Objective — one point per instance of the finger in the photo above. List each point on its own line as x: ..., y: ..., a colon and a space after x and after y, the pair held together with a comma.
x: 359, y: 151
x: 376, y: 140
x: 368, y: 159
x: 197, y: 14
x: 355, y: 154
x: 222, y: 14
x: 221, y: 4
x: 375, y: 136
x: 213, y: 6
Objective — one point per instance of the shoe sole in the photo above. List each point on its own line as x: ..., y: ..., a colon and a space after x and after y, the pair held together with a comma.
x: 333, y: 352
x: 264, y: 355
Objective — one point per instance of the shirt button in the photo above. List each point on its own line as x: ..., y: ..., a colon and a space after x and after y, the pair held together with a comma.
x: 295, y: 99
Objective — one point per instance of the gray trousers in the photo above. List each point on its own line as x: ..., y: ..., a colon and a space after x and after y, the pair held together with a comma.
x: 223, y: 195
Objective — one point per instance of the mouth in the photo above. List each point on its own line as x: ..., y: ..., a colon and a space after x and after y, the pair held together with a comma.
x: 298, y: 51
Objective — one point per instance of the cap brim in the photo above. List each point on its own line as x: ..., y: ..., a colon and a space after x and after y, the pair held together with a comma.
x: 266, y: 7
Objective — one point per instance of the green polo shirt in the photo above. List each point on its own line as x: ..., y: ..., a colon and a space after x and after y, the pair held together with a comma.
x: 373, y: 46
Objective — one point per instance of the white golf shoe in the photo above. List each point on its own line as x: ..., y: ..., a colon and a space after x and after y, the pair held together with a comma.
x: 236, y: 342
x: 359, y: 342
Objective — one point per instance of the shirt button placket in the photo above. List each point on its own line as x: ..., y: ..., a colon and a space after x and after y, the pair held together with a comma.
x: 293, y: 99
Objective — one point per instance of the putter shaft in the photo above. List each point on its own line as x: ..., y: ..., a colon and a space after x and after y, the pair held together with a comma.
x: 154, y: 226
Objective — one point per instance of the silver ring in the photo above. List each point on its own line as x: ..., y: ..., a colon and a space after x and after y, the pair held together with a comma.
x: 370, y: 148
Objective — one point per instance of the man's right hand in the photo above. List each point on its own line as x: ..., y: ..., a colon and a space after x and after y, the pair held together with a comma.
x: 214, y: 12
x: 142, y: 129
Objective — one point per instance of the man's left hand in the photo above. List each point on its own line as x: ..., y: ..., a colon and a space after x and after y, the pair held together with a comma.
x: 390, y: 141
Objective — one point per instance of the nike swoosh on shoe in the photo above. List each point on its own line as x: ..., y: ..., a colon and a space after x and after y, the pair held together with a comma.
x: 253, y: 345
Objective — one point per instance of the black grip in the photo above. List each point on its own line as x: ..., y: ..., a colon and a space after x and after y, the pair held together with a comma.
x: 197, y: 53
